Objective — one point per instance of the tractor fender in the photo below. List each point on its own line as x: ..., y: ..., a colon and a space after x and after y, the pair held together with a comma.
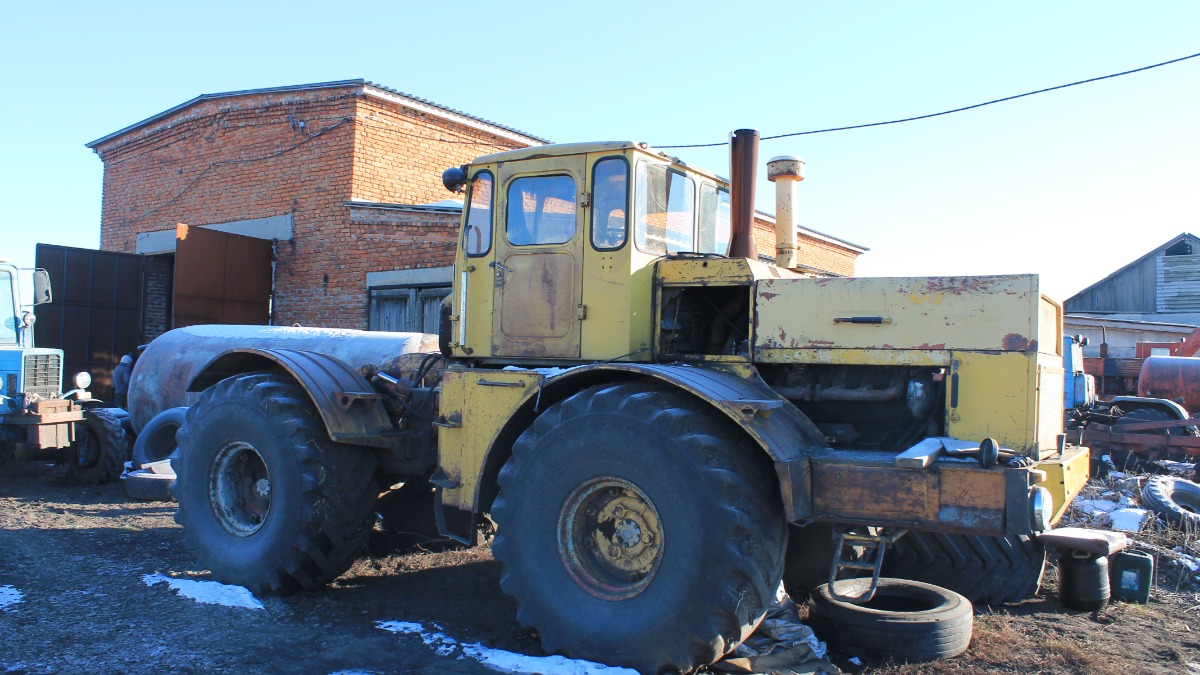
x: 774, y: 424
x: 352, y: 411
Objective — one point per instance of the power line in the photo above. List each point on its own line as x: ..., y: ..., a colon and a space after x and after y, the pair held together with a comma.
x: 946, y: 112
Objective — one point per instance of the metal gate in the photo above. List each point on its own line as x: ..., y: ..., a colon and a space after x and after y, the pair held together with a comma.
x: 221, y: 278
x: 96, y: 313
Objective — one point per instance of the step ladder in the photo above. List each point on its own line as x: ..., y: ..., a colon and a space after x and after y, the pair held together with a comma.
x: 874, y: 543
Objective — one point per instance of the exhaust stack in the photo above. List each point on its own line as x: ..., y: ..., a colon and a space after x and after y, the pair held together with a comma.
x: 785, y: 172
x: 743, y: 161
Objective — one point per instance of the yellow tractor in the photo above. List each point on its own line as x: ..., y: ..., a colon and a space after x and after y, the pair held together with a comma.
x: 655, y: 426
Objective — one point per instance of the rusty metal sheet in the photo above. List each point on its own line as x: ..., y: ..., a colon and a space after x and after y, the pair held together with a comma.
x: 221, y: 278
x: 937, y: 314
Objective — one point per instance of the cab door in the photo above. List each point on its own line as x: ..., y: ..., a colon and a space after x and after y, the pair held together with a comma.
x: 538, y: 268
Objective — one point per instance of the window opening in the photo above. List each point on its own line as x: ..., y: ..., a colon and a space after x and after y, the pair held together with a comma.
x: 666, y: 209
x: 610, y: 191
x: 477, y: 235
x: 715, y: 226
x: 541, y: 210
x: 1180, y: 248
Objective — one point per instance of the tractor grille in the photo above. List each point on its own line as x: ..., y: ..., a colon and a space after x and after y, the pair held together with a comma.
x: 43, y: 374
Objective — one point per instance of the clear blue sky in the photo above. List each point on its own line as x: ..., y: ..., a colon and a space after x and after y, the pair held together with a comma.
x: 1071, y: 184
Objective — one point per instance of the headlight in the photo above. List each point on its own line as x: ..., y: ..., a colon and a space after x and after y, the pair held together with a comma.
x: 82, y: 380
x: 1043, y: 508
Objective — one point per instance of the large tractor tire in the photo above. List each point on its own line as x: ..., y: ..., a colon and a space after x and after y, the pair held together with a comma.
x: 100, y: 449
x: 987, y: 570
x: 266, y: 500
x: 638, y: 529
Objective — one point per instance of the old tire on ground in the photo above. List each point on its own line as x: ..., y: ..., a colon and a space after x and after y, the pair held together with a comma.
x: 987, y: 570
x: 100, y: 449
x: 148, y: 487
x: 266, y: 500
x: 1175, y: 499
x: 157, y: 440
x: 906, y: 620
x: 637, y: 528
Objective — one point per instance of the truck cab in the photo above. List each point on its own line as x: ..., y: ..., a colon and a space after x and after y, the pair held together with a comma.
x: 35, y: 420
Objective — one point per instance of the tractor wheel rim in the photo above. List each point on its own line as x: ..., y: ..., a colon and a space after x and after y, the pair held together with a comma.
x: 610, y: 538
x: 240, y: 489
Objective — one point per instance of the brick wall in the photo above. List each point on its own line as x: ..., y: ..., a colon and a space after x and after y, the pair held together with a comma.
x: 304, y: 153
x: 156, y: 296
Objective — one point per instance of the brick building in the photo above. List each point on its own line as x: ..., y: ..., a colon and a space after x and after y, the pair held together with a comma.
x: 330, y: 200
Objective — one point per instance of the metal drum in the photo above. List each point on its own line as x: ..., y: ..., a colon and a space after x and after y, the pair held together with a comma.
x: 163, y: 372
x: 1171, y: 377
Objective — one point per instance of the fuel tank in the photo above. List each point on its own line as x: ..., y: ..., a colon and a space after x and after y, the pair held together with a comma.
x: 163, y: 372
x: 1175, y: 378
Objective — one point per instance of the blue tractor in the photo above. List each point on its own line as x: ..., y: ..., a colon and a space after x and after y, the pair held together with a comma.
x: 37, y: 420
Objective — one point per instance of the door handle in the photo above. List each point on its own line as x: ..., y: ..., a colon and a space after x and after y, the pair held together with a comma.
x: 499, y: 267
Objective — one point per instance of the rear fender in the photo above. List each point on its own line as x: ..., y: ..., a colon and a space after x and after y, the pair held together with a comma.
x: 1171, y: 408
x: 352, y: 411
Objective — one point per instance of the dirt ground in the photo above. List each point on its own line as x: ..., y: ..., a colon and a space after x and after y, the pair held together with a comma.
x: 78, y: 555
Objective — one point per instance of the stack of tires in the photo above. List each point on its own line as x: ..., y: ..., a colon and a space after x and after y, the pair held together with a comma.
x: 152, y: 451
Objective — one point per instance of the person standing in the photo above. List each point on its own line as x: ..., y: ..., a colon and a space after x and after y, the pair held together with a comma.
x: 120, y: 381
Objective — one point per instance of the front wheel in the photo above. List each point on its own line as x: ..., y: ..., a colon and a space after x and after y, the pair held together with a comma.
x: 100, y: 449
x: 637, y: 528
x: 266, y: 500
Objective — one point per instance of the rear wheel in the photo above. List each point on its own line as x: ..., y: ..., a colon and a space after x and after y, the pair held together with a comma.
x: 987, y: 570
x: 636, y: 528
x: 100, y: 449
x: 266, y: 500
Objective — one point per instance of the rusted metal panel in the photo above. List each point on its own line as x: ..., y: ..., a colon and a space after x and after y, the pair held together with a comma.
x: 95, y: 317
x: 933, y: 314
x: 949, y: 495
x: 221, y: 278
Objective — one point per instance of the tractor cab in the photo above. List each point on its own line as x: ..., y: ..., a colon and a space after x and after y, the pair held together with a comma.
x: 555, y: 259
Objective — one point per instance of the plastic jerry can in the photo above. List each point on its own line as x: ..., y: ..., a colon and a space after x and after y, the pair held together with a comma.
x: 1131, y: 573
x: 1083, y: 580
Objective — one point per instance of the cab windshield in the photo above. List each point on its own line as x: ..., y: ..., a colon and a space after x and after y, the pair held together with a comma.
x: 8, y: 310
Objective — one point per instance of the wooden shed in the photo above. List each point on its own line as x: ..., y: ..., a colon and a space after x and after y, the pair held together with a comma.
x: 1162, y: 285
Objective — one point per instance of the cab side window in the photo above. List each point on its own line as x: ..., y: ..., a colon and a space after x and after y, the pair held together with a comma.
x: 714, y: 220
x: 477, y: 234
x: 610, y: 193
x: 541, y: 210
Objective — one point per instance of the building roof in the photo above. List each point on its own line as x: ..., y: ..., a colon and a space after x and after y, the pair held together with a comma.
x: 1153, y: 252
x: 369, y: 88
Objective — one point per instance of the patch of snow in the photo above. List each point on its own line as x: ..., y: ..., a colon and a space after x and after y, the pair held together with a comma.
x: 498, y: 659
x: 1190, y: 562
x: 855, y: 660
x: 1094, y: 507
x: 9, y: 596
x: 207, y: 592
x: 1128, y: 519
